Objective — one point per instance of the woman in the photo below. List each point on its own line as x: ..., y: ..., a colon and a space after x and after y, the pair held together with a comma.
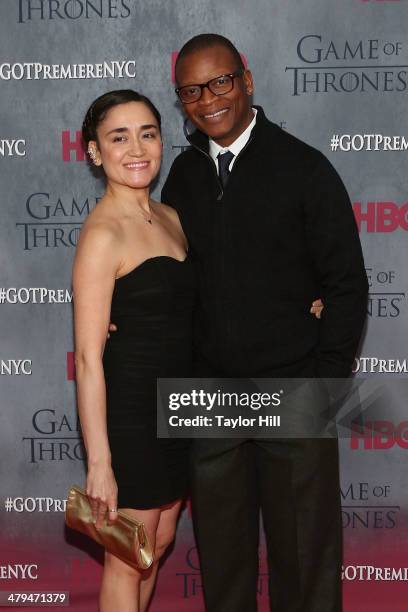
x: 132, y: 265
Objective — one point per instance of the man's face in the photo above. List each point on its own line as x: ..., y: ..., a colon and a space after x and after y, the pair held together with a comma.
x: 222, y: 118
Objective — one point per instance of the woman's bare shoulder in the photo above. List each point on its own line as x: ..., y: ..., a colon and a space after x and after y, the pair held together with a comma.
x: 101, y: 225
x: 165, y: 207
x: 168, y: 211
x: 99, y: 245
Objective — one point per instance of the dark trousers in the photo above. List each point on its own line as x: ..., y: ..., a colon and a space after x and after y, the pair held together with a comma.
x: 295, y: 484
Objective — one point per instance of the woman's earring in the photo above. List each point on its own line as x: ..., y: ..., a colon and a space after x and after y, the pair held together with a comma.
x: 92, y: 154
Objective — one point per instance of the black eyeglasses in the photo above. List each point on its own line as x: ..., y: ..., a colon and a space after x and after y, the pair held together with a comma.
x: 219, y: 86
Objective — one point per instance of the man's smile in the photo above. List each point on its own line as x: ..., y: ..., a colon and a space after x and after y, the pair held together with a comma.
x: 216, y: 114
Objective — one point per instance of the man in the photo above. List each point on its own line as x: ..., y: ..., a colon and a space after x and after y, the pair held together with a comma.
x: 271, y: 227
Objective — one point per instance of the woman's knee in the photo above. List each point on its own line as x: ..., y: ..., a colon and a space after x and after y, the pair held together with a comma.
x: 116, y: 566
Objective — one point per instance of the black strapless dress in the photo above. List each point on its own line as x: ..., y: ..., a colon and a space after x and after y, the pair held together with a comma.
x: 152, y: 306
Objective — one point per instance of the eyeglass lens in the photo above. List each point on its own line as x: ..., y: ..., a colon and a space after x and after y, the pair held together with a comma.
x: 217, y: 86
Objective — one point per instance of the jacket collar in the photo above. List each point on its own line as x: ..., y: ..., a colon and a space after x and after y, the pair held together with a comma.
x: 200, y: 140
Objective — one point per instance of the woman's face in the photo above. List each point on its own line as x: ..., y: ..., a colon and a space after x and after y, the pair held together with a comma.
x: 129, y: 145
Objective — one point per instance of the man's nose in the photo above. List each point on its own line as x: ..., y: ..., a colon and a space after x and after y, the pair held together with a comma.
x: 207, y: 96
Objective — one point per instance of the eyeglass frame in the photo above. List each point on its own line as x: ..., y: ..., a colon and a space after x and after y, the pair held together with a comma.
x: 232, y: 75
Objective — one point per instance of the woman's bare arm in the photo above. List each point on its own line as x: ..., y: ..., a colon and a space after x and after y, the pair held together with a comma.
x: 93, y: 282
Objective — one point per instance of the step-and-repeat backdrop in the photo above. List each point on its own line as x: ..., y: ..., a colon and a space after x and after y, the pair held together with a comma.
x: 335, y: 73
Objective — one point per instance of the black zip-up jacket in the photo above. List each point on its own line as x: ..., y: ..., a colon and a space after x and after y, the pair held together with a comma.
x: 281, y: 235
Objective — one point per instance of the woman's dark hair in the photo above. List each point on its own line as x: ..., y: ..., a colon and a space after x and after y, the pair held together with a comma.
x: 99, y: 108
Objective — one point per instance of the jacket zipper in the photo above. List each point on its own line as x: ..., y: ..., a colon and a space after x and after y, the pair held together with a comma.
x: 219, y: 197
x: 214, y: 170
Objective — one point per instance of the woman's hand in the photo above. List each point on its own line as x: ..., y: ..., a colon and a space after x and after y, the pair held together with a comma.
x: 317, y: 307
x: 102, y: 491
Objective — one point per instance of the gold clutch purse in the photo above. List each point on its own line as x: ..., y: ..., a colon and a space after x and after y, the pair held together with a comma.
x: 126, y: 538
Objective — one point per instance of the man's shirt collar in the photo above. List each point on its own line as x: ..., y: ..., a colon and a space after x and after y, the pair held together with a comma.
x: 235, y: 147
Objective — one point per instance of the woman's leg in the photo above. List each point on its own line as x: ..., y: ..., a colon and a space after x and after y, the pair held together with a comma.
x: 120, y: 588
x: 164, y: 536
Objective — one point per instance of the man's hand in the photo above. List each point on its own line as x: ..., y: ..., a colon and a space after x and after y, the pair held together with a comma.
x: 316, y: 309
x: 112, y: 328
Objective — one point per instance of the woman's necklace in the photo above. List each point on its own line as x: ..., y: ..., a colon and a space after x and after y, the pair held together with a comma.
x: 148, y: 219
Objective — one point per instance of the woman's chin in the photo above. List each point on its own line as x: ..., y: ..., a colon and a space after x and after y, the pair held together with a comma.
x: 137, y: 183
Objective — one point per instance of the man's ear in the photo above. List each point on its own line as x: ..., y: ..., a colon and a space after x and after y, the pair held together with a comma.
x: 248, y: 82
